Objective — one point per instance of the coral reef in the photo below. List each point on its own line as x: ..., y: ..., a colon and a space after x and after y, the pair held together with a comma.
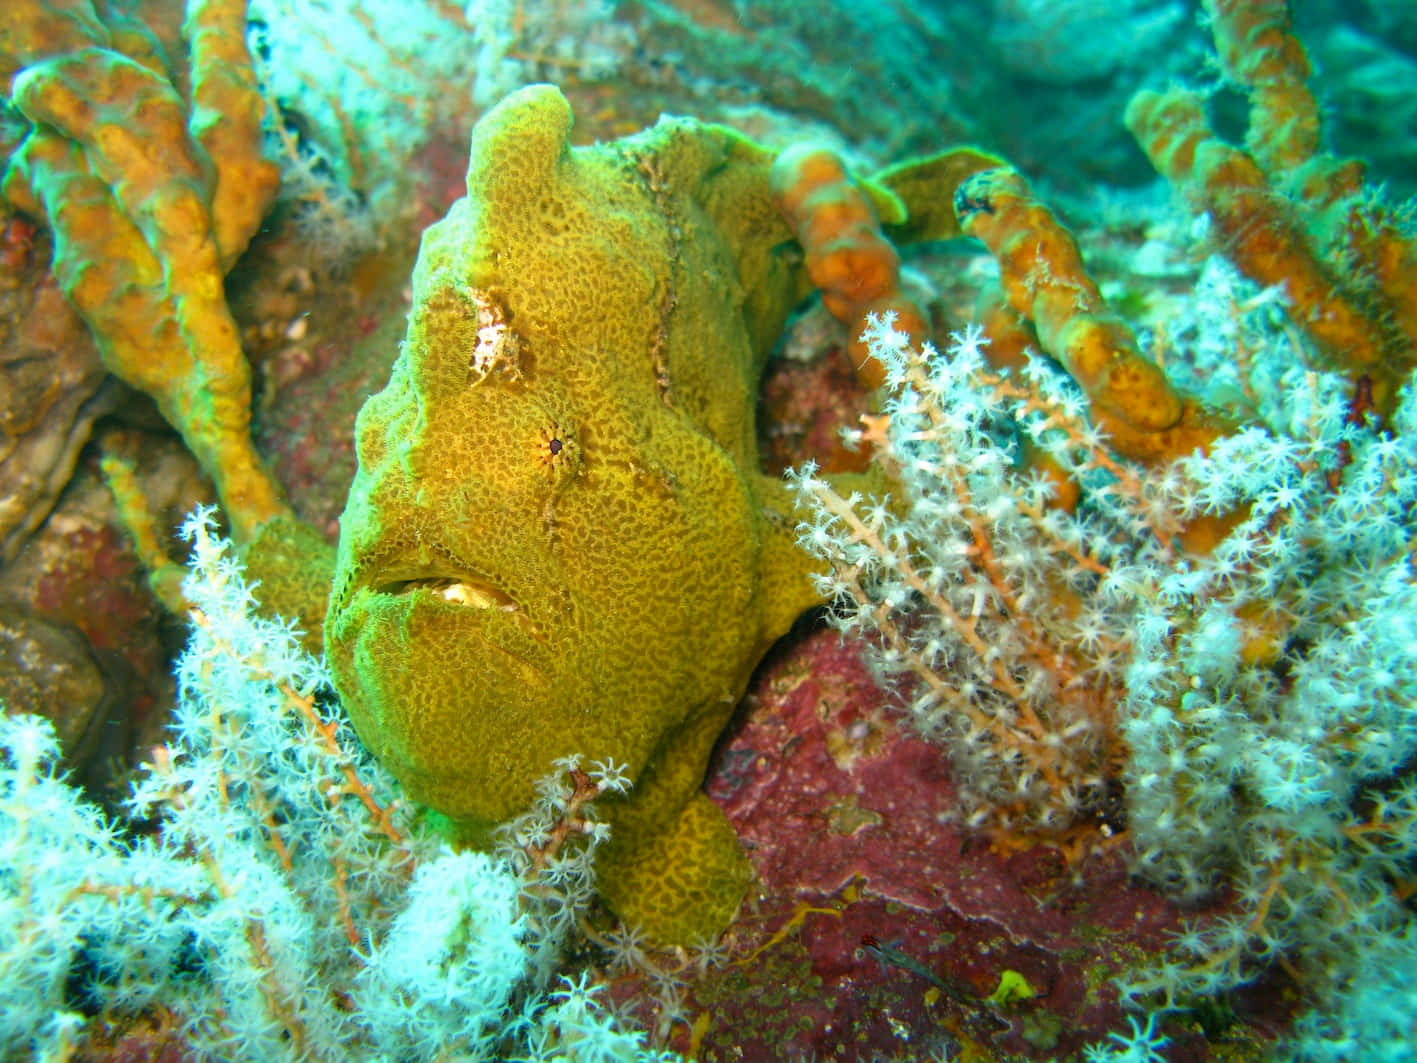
x: 1245, y: 714
x: 1142, y: 579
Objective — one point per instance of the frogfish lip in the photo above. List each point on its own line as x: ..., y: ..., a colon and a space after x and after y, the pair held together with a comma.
x: 464, y: 590
x: 492, y: 613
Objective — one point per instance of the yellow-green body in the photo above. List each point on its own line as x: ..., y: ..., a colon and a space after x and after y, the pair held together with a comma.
x: 559, y: 541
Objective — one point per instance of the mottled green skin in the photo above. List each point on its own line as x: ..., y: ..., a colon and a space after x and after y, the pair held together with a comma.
x: 598, y: 489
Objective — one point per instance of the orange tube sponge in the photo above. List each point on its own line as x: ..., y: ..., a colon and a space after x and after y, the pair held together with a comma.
x: 33, y: 30
x: 1285, y: 213
x: 1260, y: 236
x: 226, y: 121
x: 848, y: 256
x: 1358, y: 303
x: 1350, y: 231
x: 150, y: 203
x: 1045, y: 281
x: 1258, y: 52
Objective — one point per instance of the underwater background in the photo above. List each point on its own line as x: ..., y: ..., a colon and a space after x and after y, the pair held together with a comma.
x: 1102, y: 749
